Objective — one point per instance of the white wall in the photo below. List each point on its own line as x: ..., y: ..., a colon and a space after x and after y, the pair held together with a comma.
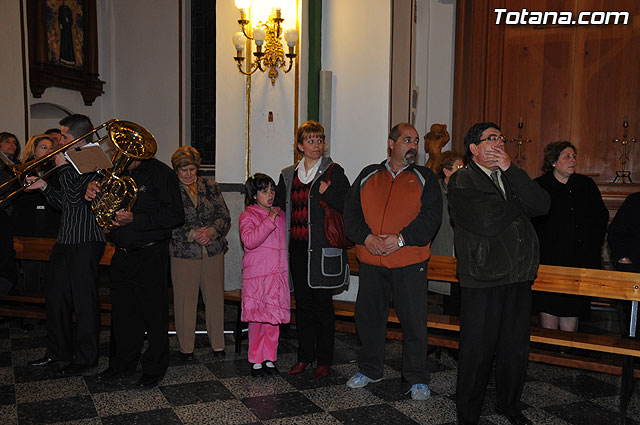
x: 12, y: 105
x: 356, y: 47
x: 144, y: 67
x: 440, y: 60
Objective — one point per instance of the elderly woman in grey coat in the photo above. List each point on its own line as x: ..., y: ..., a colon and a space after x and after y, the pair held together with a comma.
x: 197, y: 255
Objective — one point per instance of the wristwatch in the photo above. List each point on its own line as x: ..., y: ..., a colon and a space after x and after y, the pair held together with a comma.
x: 400, y: 240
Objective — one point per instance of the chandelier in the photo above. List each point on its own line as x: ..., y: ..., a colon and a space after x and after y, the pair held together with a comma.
x: 269, y: 52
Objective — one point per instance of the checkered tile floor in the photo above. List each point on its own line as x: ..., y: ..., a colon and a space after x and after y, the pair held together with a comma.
x: 214, y: 390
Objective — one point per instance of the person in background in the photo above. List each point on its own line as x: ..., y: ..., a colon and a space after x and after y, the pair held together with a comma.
x: 442, y: 243
x: 624, y: 242
x: 570, y: 234
x: 8, y: 269
x: 54, y: 134
x: 32, y: 215
x: 197, y: 254
x: 265, y: 273
x: 316, y: 268
x: 9, y: 146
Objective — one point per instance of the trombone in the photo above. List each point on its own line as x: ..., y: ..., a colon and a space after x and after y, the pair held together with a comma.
x: 22, y: 171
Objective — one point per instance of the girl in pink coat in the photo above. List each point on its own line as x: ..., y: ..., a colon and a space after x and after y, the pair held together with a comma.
x: 265, y: 288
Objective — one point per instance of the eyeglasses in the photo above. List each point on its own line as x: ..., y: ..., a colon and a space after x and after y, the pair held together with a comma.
x: 494, y: 138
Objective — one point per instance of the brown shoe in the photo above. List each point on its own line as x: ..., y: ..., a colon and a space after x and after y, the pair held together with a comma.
x: 322, y: 372
x: 298, y: 368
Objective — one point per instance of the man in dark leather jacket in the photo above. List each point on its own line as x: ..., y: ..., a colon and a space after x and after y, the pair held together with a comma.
x: 497, y: 249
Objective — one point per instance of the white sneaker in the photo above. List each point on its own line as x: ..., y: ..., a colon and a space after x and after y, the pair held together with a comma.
x: 360, y: 380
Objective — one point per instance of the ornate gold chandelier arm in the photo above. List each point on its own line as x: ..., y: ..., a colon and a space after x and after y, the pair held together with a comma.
x: 254, y: 66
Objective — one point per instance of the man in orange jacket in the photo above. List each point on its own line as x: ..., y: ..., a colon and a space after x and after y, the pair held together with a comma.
x: 392, y: 212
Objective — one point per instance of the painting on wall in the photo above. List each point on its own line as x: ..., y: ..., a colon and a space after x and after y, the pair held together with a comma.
x: 63, y: 47
x: 65, y: 32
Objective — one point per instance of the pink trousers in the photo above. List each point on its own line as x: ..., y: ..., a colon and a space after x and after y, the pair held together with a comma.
x: 263, y: 342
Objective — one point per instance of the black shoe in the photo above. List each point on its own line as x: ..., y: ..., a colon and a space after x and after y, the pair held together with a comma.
x: 187, y: 357
x: 147, y: 381
x: 518, y: 419
x: 45, y: 361
x: 73, y: 369
x: 256, y: 373
x: 219, y: 353
x: 270, y: 370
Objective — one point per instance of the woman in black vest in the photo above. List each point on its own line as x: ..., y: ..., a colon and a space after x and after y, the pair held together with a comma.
x: 316, y: 268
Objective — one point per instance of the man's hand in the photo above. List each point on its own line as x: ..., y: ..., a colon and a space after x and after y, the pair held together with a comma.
x: 92, y: 190
x: 122, y: 218
x: 203, y: 235
x: 61, y: 159
x: 498, y: 157
x: 36, y: 183
x: 374, y: 245
x: 625, y: 260
x: 390, y: 244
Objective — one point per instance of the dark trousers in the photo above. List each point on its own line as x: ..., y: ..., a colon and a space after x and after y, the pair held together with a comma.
x: 140, y: 303
x: 494, y: 322
x: 72, y: 287
x: 409, y: 288
x: 315, y: 320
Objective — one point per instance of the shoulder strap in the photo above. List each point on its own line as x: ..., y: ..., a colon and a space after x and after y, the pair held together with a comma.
x: 329, y: 170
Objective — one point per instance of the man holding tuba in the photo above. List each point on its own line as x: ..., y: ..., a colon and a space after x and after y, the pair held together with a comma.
x: 139, y: 271
x: 73, y: 264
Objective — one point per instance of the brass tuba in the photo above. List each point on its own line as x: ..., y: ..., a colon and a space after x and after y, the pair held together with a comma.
x: 132, y: 142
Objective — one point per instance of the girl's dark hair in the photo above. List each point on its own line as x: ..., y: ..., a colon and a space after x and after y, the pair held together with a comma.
x: 552, y: 152
x: 254, y: 184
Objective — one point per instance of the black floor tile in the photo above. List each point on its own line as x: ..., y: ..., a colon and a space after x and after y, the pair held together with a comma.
x: 160, y: 416
x: 586, y: 386
x: 586, y: 413
x: 6, y: 359
x: 7, y: 395
x: 30, y: 373
x: 307, y: 380
x: 195, y: 392
x: 60, y: 410
x: 229, y: 369
x: 281, y: 406
x: 120, y: 384
x: 380, y: 414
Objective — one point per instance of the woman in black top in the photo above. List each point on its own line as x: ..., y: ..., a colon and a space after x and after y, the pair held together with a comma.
x: 571, y: 234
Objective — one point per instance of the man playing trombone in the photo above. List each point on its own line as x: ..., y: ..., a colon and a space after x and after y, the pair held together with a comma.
x: 73, y: 265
